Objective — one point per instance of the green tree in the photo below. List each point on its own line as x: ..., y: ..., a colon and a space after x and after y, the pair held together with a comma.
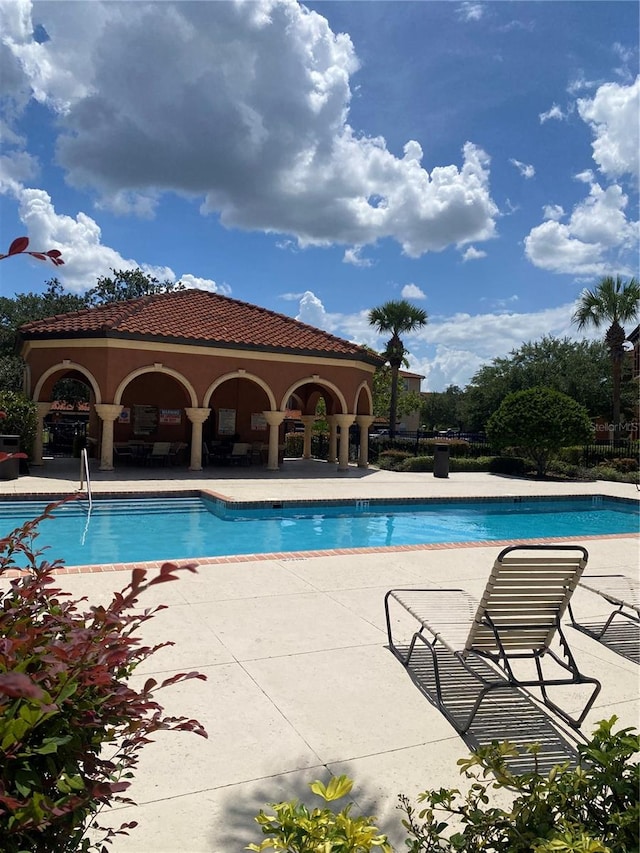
x: 444, y: 409
x: 128, y: 284
x: 19, y: 417
x: 579, y: 369
x: 398, y: 317
x: 407, y: 401
x: 24, y: 308
x: 538, y: 422
x: 612, y: 303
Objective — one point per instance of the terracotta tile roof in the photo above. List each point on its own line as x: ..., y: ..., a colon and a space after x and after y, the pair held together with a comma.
x: 195, y: 316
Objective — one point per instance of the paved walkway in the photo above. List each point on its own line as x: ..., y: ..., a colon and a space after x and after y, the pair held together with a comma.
x: 300, y: 684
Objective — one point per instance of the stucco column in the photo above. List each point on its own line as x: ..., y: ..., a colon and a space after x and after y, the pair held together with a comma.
x: 274, y: 419
x: 332, y: 455
x: 107, y: 412
x: 43, y: 411
x: 197, y: 418
x: 364, y: 422
x: 308, y: 421
x: 344, y: 422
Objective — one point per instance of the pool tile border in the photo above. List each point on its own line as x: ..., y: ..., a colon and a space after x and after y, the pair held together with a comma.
x: 288, y: 556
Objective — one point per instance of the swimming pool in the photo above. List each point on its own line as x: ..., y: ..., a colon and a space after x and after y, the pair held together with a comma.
x: 126, y: 530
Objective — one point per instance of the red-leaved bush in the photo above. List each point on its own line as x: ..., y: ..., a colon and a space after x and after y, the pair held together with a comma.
x: 71, y: 724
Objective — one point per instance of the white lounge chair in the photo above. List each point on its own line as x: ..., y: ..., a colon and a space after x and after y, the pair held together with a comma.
x: 518, y: 617
x: 621, y: 591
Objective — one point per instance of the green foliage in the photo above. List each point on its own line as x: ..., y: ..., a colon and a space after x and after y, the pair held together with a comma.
x: 397, y: 317
x: 511, y: 465
x: 21, y: 418
x: 295, y: 828
x: 128, y: 284
x: 606, y: 471
x: 24, y: 308
x: 456, y: 464
x: 71, y: 724
x: 612, y: 303
x: 444, y: 409
x: 580, y: 370
x: 590, y: 808
x: 407, y: 401
x: 294, y: 444
x: 538, y: 422
x: 392, y: 459
x: 625, y: 466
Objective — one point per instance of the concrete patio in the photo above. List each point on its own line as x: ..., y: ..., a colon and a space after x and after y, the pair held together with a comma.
x: 300, y: 684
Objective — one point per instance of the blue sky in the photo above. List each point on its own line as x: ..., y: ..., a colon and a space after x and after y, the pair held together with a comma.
x: 479, y: 159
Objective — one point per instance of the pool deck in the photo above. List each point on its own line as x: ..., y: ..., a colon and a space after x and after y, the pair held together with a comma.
x: 300, y: 683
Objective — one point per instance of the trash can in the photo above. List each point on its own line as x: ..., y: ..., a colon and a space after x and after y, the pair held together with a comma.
x: 441, y: 460
x: 10, y: 468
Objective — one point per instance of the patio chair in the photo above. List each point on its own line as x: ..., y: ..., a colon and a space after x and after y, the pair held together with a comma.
x: 240, y: 454
x: 518, y: 617
x: 619, y: 590
x: 122, y: 452
x: 159, y: 453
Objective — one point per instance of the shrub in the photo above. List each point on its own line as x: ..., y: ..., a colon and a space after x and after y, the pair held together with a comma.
x: 294, y: 828
x: 606, y: 471
x: 512, y: 465
x: 625, y: 466
x: 20, y: 418
x: 71, y: 725
x: 391, y: 460
x: 591, y: 808
x: 460, y: 465
x: 564, y: 469
x: 457, y: 446
x: 418, y: 464
x: 294, y: 444
x: 539, y: 422
x: 572, y: 455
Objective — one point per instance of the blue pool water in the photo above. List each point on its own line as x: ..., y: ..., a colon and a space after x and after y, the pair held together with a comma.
x: 122, y: 530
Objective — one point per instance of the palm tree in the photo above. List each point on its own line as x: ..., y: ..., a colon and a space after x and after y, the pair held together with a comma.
x: 612, y: 302
x: 397, y: 317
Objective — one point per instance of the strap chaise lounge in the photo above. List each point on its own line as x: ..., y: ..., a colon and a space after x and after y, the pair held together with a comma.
x: 518, y: 617
x: 621, y: 591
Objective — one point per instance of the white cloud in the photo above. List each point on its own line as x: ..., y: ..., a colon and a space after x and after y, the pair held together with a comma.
x: 311, y: 311
x: 473, y: 254
x: 449, y: 349
x: 526, y: 170
x: 614, y: 117
x: 204, y: 284
x: 80, y: 240
x: 592, y: 242
x: 587, y: 176
x: 554, y: 112
x: 412, y: 291
x: 580, y: 83
x: 553, y: 211
x: 291, y: 297
x: 352, y: 256
x: 471, y: 11
x: 260, y: 136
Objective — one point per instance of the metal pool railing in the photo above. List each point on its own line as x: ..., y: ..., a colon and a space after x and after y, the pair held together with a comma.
x: 85, y: 476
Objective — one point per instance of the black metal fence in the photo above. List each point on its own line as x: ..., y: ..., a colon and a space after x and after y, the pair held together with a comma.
x: 470, y: 445
x: 595, y: 454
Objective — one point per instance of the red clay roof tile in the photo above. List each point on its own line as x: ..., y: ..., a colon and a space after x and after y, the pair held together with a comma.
x: 198, y: 316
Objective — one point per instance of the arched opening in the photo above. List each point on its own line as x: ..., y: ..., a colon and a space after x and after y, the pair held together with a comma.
x: 237, y: 402
x: 153, y: 412
x: 66, y: 428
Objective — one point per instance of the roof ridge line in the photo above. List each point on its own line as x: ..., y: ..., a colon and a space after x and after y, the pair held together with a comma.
x: 285, y: 317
